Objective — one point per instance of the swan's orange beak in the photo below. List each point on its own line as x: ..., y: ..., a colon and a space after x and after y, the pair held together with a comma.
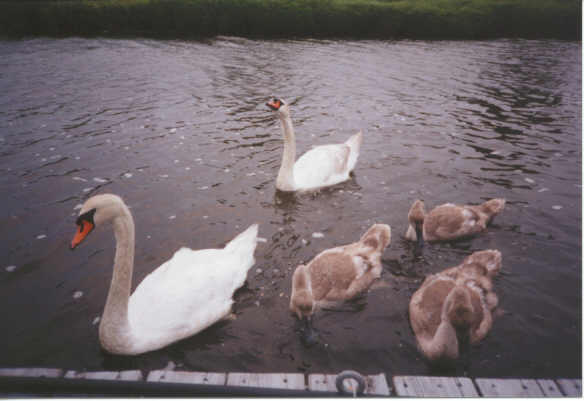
x: 274, y: 104
x: 84, y: 228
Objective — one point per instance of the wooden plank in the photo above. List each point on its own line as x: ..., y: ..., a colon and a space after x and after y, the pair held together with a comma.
x: 322, y: 382
x: 466, y: 387
x: 446, y: 385
x: 31, y: 372
x: 291, y: 381
x: 167, y: 376
x: 430, y: 386
x: 377, y: 385
x: 402, y: 387
x: 126, y: 375
x: 549, y: 388
x: 570, y: 387
x: 509, y: 388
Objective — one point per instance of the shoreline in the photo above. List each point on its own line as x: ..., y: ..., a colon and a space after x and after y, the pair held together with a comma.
x: 267, y: 19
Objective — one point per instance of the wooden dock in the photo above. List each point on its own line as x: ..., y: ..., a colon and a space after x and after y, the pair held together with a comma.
x: 431, y: 386
x: 375, y: 385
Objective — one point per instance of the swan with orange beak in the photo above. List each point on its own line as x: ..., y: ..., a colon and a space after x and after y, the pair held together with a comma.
x: 321, y: 166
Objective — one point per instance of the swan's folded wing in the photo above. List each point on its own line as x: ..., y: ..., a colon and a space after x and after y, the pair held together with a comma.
x: 322, y: 165
x: 426, y: 305
x: 186, y: 294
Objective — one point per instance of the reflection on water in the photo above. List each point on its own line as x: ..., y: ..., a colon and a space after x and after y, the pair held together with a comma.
x: 180, y: 130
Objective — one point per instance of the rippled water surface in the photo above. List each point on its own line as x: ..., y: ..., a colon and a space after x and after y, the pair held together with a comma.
x: 180, y: 130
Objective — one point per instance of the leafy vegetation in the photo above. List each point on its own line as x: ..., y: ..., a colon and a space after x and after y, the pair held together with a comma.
x: 455, y: 19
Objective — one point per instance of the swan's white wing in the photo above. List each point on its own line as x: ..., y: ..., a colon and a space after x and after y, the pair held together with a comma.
x: 186, y: 294
x: 321, y: 166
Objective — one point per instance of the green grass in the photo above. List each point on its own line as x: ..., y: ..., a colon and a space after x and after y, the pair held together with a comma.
x: 424, y: 19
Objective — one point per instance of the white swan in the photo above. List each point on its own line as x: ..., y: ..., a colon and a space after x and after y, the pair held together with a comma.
x: 321, y: 166
x: 454, y: 304
x: 185, y: 295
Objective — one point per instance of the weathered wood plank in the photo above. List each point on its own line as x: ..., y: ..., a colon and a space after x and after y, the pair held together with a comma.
x: 126, y: 375
x: 466, y: 387
x: 167, y: 376
x: 322, y: 382
x: 31, y: 372
x: 377, y: 385
x: 509, y: 388
x: 430, y: 386
x: 549, y: 388
x: 570, y: 387
x: 291, y: 381
x: 447, y: 385
x: 402, y: 387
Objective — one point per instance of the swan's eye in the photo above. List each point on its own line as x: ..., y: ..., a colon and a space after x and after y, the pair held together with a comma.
x: 87, y: 216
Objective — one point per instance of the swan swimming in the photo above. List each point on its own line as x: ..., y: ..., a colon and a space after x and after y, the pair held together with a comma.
x: 337, y: 274
x: 321, y: 166
x: 455, y: 304
x: 183, y: 296
x: 450, y: 221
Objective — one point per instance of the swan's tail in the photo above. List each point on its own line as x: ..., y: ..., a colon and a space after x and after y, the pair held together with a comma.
x: 242, y: 249
x: 377, y: 237
x: 493, y: 207
x: 245, y: 241
x: 354, y: 144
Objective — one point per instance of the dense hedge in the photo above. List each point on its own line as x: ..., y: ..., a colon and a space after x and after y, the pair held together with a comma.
x: 456, y: 19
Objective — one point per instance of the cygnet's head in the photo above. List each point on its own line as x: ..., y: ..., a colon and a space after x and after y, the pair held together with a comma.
x: 417, y: 212
x: 416, y: 222
x: 459, y: 309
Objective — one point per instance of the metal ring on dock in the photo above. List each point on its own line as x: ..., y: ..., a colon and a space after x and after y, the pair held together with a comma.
x: 344, y: 385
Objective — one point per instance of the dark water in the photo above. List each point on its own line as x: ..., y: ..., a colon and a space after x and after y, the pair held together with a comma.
x: 180, y: 130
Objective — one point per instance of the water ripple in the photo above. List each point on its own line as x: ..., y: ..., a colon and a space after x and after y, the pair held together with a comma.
x: 180, y: 128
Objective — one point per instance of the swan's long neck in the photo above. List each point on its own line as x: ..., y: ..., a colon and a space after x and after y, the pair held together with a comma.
x: 285, y: 180
x: 444, y: 343
x: 114, y: 328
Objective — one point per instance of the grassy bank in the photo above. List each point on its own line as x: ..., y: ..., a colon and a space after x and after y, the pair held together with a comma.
x: 455, y: 19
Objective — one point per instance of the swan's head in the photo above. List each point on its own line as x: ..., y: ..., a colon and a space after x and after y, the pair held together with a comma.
x: 95, y: 211
x: 416, y: 220
x: 417, y: 212
x: 280, y: 106
x: 301, y: 300
x: 458, y: 308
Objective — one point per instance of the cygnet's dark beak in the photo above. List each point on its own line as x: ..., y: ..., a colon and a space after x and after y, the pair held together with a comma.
x: 308, y: 336
x: 419, y: 234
